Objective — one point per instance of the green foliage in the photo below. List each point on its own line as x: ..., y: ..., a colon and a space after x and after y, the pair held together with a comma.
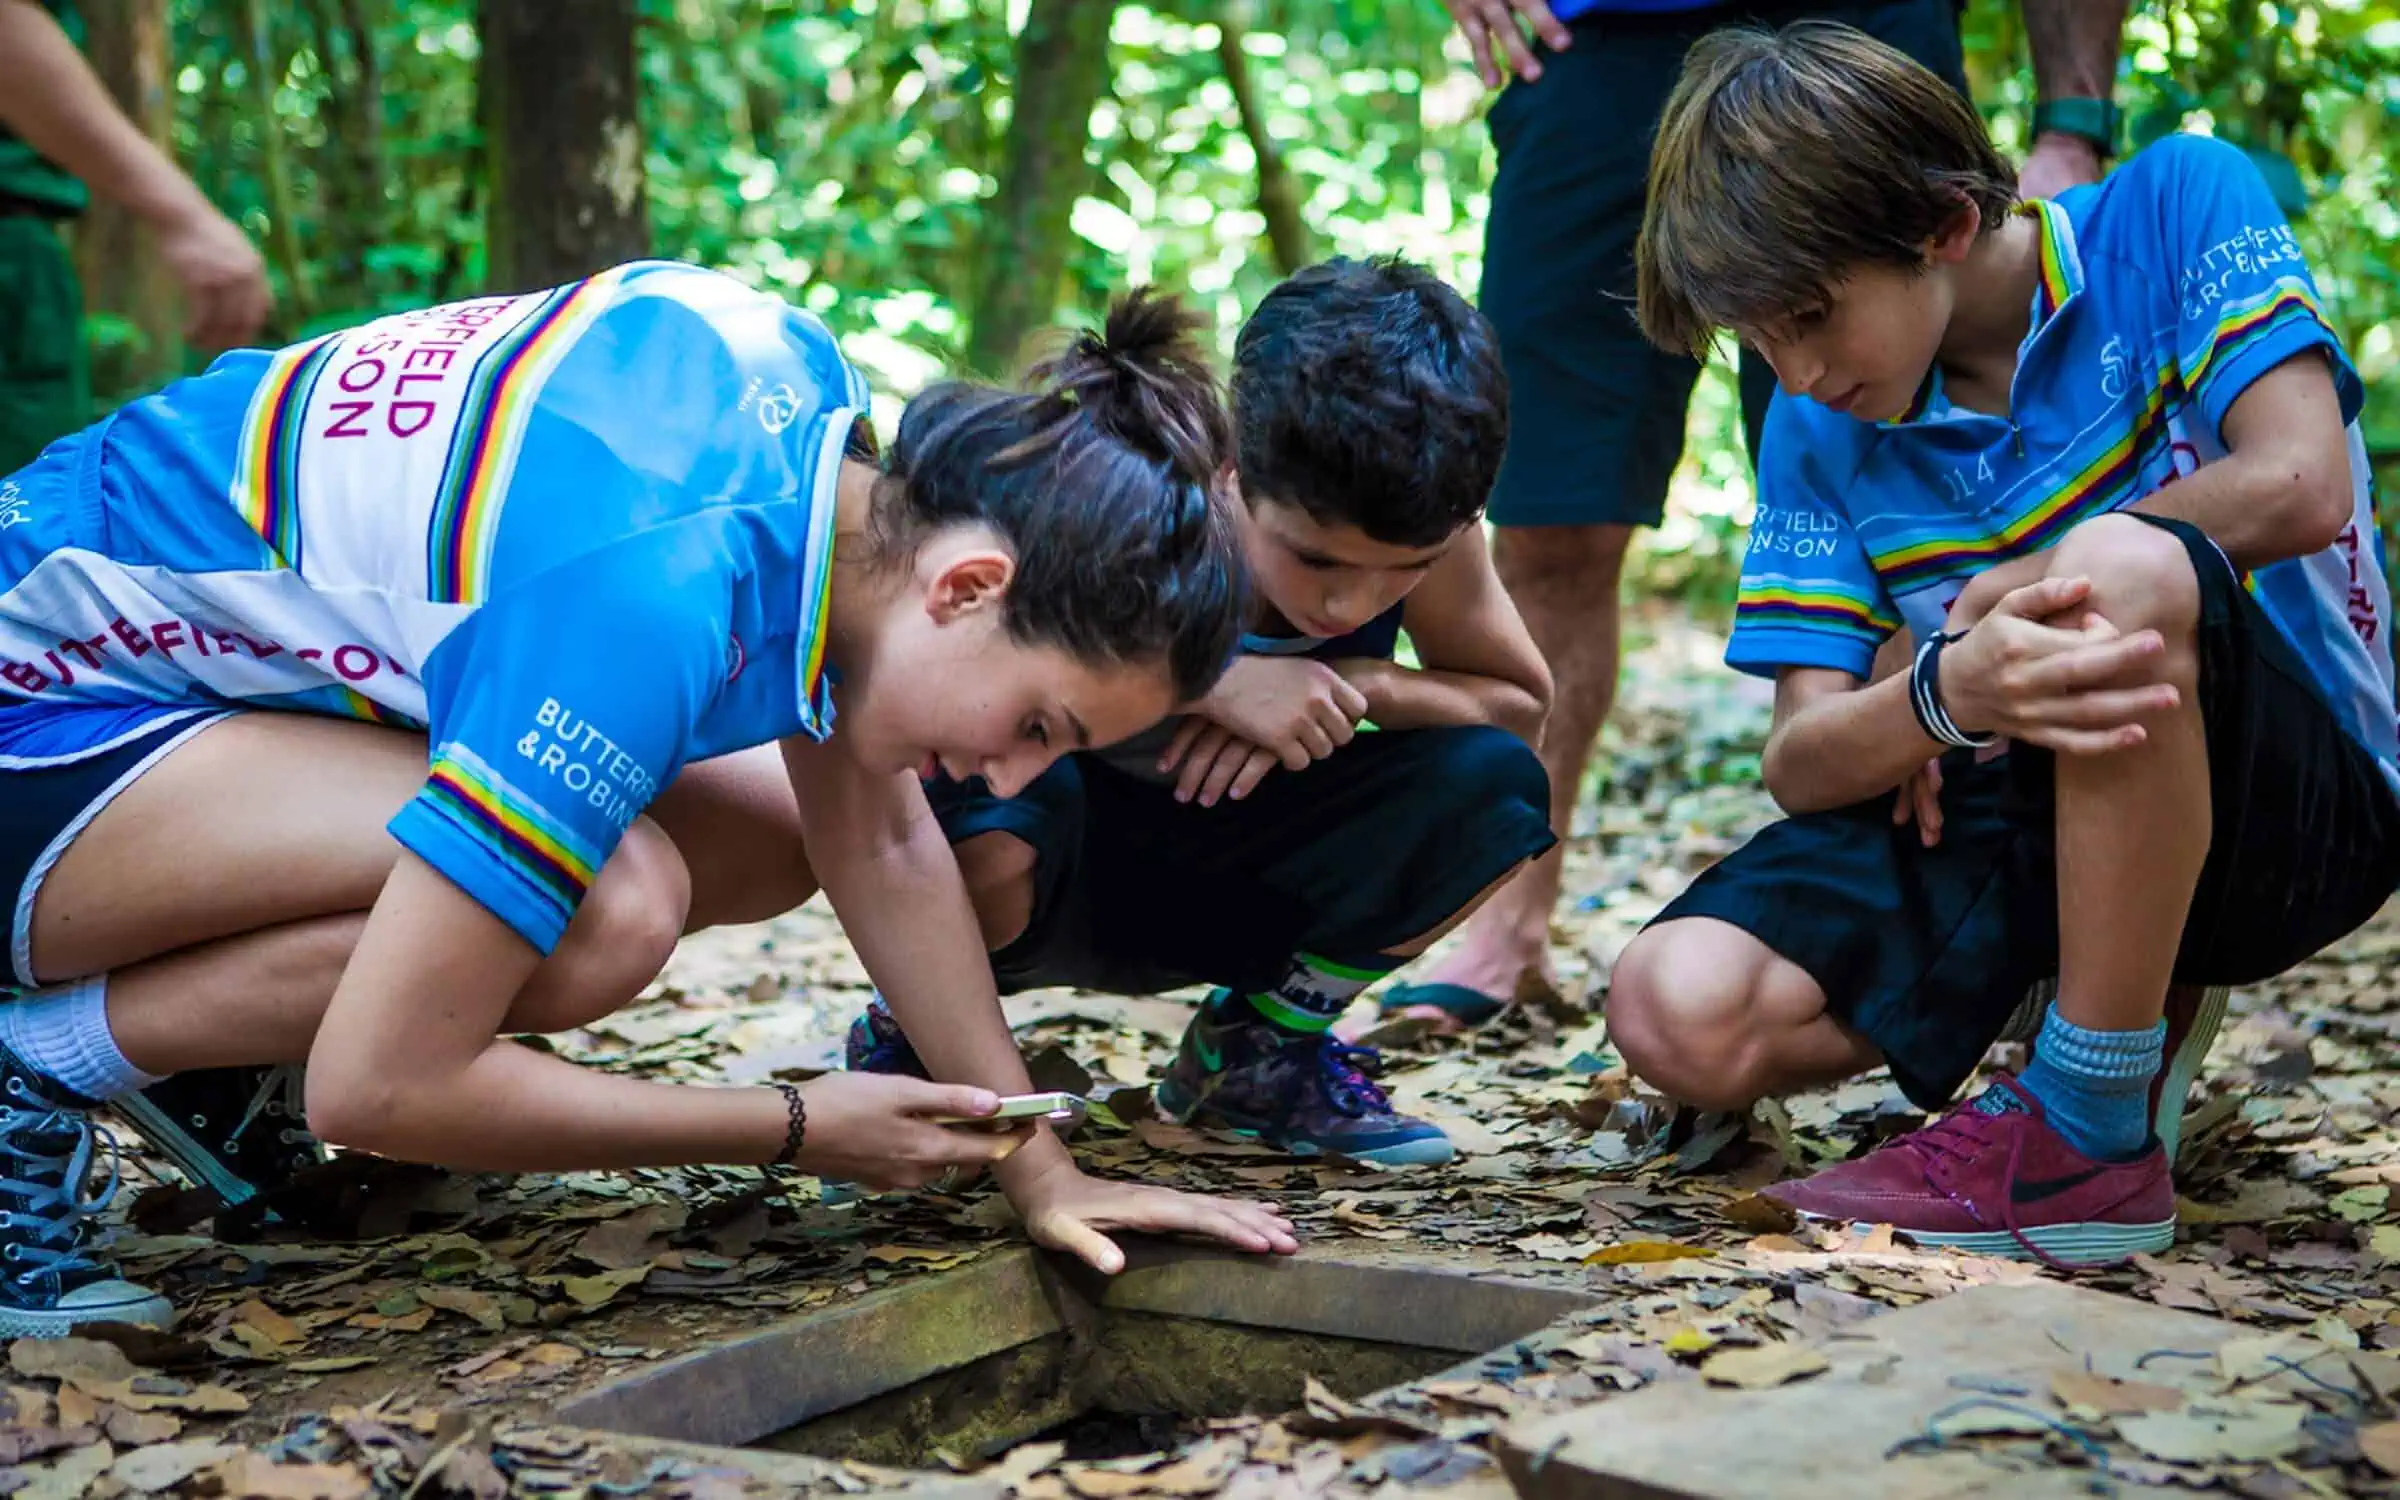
x: 842, y: 155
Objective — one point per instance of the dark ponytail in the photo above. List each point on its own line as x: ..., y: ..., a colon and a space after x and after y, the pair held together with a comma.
x: 1102, y: 478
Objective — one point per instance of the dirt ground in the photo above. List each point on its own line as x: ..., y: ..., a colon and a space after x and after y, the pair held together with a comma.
x: 409, y: 1341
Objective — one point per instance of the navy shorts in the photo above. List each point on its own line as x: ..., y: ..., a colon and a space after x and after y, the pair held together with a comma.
x: 1366, y: 850
x: 1926, y: 952
x: 1596, y: 412
x: 55, y: 777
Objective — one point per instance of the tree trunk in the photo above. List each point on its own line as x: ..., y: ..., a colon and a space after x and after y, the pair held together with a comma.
x: 1278, y: 189
x: 122, y: 276
x: 349, y: 165
x: 264, y: 69
x: 562, y: 137
x: 1061, y: 67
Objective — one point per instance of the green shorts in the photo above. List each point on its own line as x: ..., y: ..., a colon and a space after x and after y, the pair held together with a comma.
x: 44, y: 385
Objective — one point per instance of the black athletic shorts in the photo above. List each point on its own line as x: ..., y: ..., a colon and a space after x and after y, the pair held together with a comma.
x: 1366, y: 850
x: 1926, y: 952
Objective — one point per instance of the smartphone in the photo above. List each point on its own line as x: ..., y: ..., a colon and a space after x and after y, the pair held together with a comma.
x: 1061, y: 1110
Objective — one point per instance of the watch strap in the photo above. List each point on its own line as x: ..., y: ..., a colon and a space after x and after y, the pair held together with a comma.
x: 2094, y: 120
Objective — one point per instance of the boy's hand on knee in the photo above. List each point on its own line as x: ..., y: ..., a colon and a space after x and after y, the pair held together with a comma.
x: 2044, y: 669
x: 1990, y: 586
x: 1301, y: 710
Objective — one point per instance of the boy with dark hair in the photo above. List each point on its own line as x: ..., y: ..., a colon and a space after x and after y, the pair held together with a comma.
x: 1370, y: 414
x: 2099, y: 456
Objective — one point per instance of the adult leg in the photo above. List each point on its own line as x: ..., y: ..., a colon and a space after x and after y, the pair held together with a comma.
x: 1596, y: 413
x: 1565, y: 582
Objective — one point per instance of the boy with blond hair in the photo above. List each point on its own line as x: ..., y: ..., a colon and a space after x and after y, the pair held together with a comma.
x: 2099, y: 457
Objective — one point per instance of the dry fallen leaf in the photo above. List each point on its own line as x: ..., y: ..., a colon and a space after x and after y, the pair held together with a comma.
x: 59, y: 1359
x: 1766, y: 1365
x: 2220, y: 1430
x: 166, y: 1465
x: 252, y: 1476
x: 68, y: 1476
x: 1643, y: 1252
x: 136, y: 1428
x: 481, y: 1308
x: 591, y: 1291
x: 2380, y: 1444
x: 1201, y: 1472
x: 263, y: 1329
x: 2082, y: 1391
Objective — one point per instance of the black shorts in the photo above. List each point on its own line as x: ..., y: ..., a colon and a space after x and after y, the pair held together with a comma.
x: 1926, y: 952
x: 1368, y: 849
x: 1596, y: 412
x: 45, y: 803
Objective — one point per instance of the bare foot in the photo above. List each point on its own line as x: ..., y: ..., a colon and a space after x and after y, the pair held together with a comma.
x: 1495, y: 957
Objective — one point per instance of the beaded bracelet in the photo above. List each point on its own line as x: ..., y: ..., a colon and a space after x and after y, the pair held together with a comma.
x: 797, y: 1129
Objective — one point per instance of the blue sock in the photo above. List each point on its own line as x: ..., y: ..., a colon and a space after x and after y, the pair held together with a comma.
x: 62, y: 1033
x: 2095, y: 1085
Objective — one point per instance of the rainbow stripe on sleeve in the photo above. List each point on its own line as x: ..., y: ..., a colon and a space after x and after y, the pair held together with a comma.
x: 479, y: 799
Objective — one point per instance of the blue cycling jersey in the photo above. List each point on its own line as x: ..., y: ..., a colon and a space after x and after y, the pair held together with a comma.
x: 580, y: 537
x: 2166, y: 290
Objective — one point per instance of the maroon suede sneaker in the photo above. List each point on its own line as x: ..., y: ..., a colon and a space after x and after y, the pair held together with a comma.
x: 1991, y: 1177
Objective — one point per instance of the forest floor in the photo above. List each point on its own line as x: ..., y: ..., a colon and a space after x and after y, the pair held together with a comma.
x: 412, y: 1342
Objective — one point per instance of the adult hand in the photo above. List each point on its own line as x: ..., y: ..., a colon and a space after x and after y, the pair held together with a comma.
x: 877, y: 1129
x: 2042, y: 669
x: 2058, y: 162
x: 1300, y: 710
x: 224, y: 282
x: 1065, y: 1210
x: 1496, y: 28
x: 1215, y: 761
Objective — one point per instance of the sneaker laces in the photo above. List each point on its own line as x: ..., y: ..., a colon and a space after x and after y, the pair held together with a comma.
x: 1342, y: 1071
x: 46, y: 1154
x: 282, y: 1090
x: 1958, y: 1137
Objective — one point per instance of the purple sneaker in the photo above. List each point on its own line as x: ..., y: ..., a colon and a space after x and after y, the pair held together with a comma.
x: 877, y: 1045
x: 1308, y: 1095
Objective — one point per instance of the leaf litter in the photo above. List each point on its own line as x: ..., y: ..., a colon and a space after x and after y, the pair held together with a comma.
x: 409, y: 1331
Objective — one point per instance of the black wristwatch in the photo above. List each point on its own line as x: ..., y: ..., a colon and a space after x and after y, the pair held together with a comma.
x: 2094, y: 120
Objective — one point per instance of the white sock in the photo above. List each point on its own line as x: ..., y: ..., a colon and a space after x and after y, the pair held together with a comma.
x: 62, y: 1034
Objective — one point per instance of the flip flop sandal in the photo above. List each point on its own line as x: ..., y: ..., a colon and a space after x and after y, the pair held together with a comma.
x: 1454, y: 1002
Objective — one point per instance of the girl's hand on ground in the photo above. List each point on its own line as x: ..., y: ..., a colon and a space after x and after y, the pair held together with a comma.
x: 1215, y: 762
x: 1920, y: 801
x: 1065, y: 1210
x: 877, y: 1129
x: 1300, y: 710
x: 2043, y: 669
